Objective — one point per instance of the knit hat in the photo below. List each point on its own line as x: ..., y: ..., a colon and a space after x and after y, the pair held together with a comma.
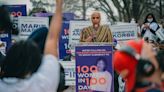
x: 123, y: 60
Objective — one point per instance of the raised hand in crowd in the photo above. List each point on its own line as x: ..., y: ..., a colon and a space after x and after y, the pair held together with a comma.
x: 54, y: 30
x: 29, y: 70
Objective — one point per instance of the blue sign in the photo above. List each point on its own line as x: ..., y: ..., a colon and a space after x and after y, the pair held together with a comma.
x: 17, y: 10
x: 63, y: 41
x: 94, y: 72
x: 5, y: 42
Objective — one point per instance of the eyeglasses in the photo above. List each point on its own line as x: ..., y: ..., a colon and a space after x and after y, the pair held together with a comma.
x: 95, y: 17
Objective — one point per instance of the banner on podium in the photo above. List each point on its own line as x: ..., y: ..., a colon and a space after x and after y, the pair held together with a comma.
x: 94, y: 68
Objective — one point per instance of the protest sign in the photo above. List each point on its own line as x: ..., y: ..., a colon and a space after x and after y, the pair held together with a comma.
x: 94, y: 68
x: 124, y: 32
x: 69, y: 69
x: 15, y: 23
x: 5, y: 42
x: 27, y: 25
x: 17, y: 10
x: 75, y: 29
x: 63, y: 41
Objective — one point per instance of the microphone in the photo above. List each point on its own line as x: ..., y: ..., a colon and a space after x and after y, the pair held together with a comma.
x: 94, y: 35
x: 96, y: 25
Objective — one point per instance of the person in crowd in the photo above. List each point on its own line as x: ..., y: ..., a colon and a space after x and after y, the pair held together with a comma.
x: 125, y: 64
x: 151, y: 79
x: 149, y: 27
x: 96, y: 32
x: 5, y: 32
x: 39, y: 37
x: 102, y: 73
x: 5, y: 29
x: 19, y: 69
x: 127, y: 57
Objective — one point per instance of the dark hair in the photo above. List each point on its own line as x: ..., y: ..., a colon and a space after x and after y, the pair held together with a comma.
x: 104, y: 61
x: 145, y: 68
x: 150, y: 14
x: 5, y: 22
x: 21, y: 59
x: 39, y: 37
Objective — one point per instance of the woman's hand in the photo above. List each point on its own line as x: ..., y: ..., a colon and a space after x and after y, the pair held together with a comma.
x: 146, y: 26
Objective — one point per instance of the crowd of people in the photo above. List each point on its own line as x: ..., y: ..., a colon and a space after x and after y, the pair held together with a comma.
x: 24, y: 68
x: 141, y: 63
x: 32, y: 65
